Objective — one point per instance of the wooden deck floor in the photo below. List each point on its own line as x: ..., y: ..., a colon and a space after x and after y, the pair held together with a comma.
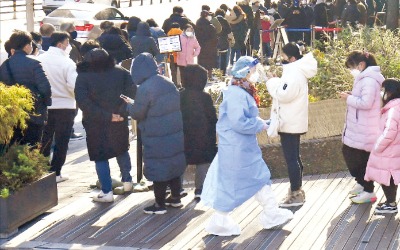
x: 327, y: 220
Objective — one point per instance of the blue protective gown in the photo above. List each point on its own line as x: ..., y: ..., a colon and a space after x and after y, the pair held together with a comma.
x: 238, y: 171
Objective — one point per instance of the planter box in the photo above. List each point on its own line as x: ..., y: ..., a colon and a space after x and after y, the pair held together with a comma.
x: 26, y: 204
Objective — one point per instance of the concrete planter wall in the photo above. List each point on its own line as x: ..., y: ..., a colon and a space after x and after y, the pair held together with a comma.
x: 26, y: 204
x: 320, y: 147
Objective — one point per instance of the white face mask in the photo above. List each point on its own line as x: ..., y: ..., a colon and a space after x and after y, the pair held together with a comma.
x: 355, y: 72
x: 68, y: 49
x: 254, y: 77
x: 189, y: 33
x: 209, y: 18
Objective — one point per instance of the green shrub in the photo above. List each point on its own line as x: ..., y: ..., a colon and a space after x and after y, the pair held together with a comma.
x: 20, y: 165
x: 15, y: 103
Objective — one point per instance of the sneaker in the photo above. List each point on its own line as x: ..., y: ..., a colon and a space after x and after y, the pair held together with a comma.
x: 154, y: 209
x: 102, y: 197
x: 60, y: 178
x: 356, y: 190
x: 293, y: 199
x: 128, y: 186
x: 173, y: 202
x: 386, y: 208
x: 75, y: 137
x: 364, y: 197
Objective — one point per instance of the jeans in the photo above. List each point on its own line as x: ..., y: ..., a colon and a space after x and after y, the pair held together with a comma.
x: 160, y: 188
x: 256, y: 40
x: 222, y: 61
x: 235, y: 53
x: 103, y: 171
x: 291, y: 151
x: 356, y: 161
x: 59, y: 127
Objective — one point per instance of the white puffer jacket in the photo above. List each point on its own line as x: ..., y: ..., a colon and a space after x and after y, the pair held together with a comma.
x: 290, y: 94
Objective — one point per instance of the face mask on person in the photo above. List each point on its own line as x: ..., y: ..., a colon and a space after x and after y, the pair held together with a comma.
x: 254, y: 77
x: 209, y: 18
x: 355, y: 72
x: 68, y: 49
x: 189, y: 33
x: 73, y: 34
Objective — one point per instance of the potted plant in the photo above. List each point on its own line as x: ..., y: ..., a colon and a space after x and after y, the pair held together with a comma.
x: 26, y: 188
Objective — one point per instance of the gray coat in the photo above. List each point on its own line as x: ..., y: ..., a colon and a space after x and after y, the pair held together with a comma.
x: 157, y: 110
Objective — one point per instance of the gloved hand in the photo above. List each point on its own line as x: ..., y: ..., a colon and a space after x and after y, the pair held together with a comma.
x: 267, y: 123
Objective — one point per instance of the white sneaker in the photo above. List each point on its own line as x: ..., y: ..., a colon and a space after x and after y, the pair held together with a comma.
x: 364, y: 197
x: 102, y: 197
x: 60, y: 178
x: 128, y: 186
x: 357, y: 189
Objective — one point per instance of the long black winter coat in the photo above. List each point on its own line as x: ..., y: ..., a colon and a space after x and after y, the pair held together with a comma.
x: 223, y: 43
x: 116, y: 46
x: 206, y: 35
x: 143, y: 42
x: 29, y: 73
x: 199, y: 118
x: 97, y: 94
x: 157, y: 111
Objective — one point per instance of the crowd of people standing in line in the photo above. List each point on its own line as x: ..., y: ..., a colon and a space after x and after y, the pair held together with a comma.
x: 180, y: 127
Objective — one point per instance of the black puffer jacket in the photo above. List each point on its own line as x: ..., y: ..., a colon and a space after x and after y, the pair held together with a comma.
x: 143, y: 42
x: 97, y: 94
x: 28, y: 72
x: 116, y: 46
x: 206, y: 35
x: 157, y: 110
x: 199, y: 117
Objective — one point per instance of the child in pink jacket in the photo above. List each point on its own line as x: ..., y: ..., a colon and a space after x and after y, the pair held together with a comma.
x: 190, y: 47
x: 384, y: 162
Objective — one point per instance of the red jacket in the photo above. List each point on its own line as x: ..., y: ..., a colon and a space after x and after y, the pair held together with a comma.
x: 265, y: 25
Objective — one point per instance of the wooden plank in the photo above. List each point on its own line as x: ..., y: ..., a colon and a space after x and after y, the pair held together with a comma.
x: 312, y: 206
x: 83, y: 232
x: 251, y: 225
x: 317, y: 217
x: 366, y: 225
x: 280, y: 236
x: 328, y: 222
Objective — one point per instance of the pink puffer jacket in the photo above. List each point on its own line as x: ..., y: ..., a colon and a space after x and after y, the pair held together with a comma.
x: 384, y: 160
x: 363, y: 110
x: 190, y: 49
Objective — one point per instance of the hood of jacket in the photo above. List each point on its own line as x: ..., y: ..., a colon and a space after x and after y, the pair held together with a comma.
x: 143, y: 67
x: 194, y: 77
x: 391, y: 104
x: 307, y: 65
x: 174, y: 32
x: 373, y: 72
x: 143, y: 29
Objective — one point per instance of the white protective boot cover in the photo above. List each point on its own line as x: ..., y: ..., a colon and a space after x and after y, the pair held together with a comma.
x: 272, y: 215
x: 222, y: 224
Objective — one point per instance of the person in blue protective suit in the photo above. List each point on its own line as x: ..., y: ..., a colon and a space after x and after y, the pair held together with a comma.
x: 238, y: 172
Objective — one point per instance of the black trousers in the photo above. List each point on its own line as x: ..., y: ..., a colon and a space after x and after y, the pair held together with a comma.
x: 32, y: 135
x: 356, y: 161
x: 291, y: 151
x: 59, y: 126
x: 390, y: 191
x: 160, y: 188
